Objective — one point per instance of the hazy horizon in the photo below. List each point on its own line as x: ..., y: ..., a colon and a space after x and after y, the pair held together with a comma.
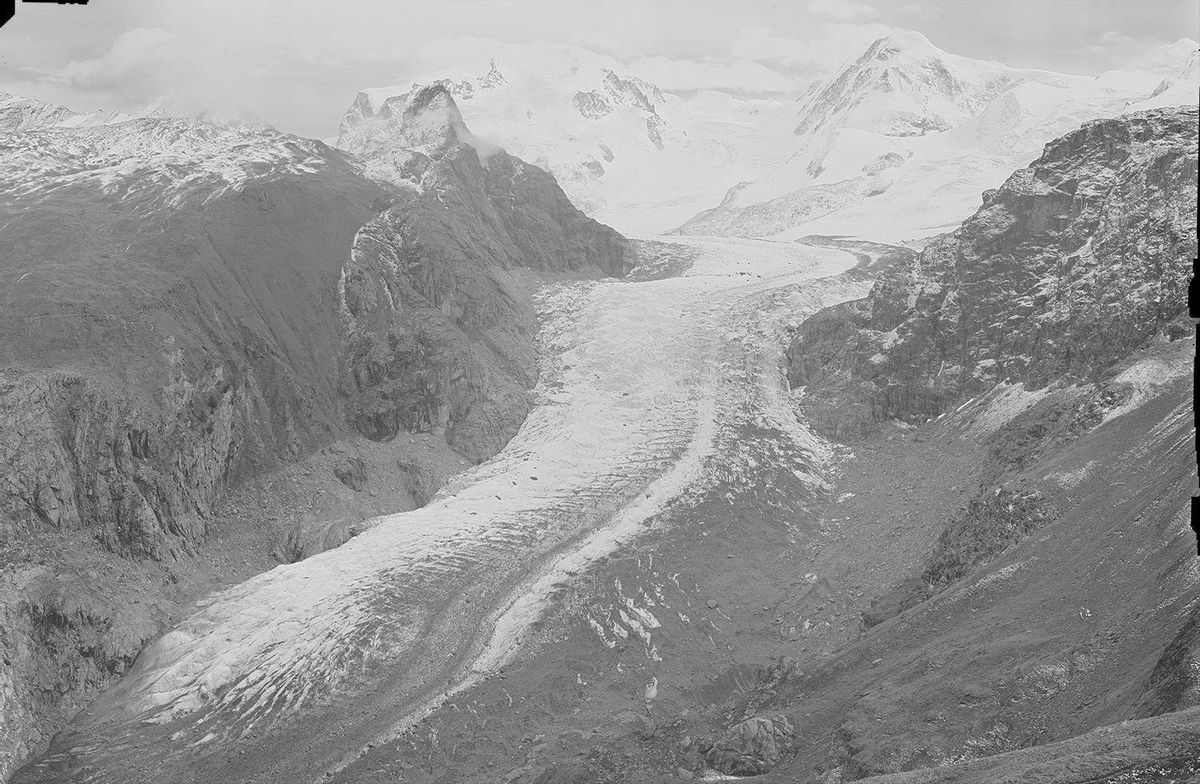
x: 298, y: 66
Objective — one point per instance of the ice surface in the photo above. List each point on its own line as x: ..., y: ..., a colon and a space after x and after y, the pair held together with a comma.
x: 637, y: 383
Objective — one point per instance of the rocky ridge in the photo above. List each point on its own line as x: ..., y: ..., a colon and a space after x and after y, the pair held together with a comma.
x: 1073, y: 263
x: 429, y: 278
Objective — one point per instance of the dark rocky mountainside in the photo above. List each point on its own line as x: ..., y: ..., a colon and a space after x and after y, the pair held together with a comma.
x: 1072, y: 264
x: 155, y: 350
x: 189, y: 306
x: 439, y: 318
x: 160, y: 342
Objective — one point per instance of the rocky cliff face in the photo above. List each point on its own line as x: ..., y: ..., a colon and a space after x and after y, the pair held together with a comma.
x: 439, y: 321
x: 192, y: 305
x: 1071, y: 265
x: 163, y: 336
x: 169, y: 329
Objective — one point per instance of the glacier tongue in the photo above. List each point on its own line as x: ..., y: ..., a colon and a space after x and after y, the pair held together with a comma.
x: 639, y: 378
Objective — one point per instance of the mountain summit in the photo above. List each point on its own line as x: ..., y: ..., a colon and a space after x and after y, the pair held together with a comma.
x: 426, y: 120
x: 901, y: 139
x: 624, y: 150
x: 903, y: 85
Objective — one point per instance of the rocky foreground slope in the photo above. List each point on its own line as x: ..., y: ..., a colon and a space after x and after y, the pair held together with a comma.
x: 1047, y: 342
x: 189, y: 306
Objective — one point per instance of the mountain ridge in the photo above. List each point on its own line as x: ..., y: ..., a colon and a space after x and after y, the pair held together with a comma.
x: 1111, y: 201
x: 903, y: 141
x: 604, y: 132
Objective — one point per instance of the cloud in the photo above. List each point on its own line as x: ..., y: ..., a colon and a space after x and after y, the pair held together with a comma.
x: 841, y: 10
x: 826, y: 46
x: 468, y: 55
x: 465, y: 56
x: 714, y: 73
x: 471, y: 54
x: 759, y: 43
x: 1113, y: 39
x: 136, y: 50
x: 298, y: 65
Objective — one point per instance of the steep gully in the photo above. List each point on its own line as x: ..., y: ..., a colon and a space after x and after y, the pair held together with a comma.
x: 302, y: 667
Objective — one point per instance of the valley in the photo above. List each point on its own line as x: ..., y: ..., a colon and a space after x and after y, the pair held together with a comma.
x: 648, y: 380
x: 859, y: 446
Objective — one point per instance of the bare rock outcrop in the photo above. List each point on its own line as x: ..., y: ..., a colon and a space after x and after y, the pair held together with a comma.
x: 1075, y: 262
x: 438, y: 313
x: 751, y: 747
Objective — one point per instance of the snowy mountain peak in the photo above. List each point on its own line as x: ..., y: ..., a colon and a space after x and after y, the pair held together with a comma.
x: 161, y: 162
x: 1180, y: 60
x: 399, y: 135
x: 493, y: 78
x: 617, y: 91
x: 903, y: 85
x: 430, y: 119
x: 167, y: 108
x: 906, y: 134
x: 903, y: 42
x: 462, y: 84
x: 18, y: 113
x: 1184, y: 46
x: 1182, y: 51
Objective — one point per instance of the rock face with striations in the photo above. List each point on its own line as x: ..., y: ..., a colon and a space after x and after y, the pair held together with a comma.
x: 1073, y: 263
x: 190, y: 304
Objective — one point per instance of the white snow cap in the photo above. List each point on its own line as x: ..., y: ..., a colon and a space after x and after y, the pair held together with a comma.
x: 425, y: 119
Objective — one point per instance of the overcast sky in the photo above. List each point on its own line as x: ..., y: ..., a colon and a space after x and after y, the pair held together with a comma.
x: 298, y: 64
